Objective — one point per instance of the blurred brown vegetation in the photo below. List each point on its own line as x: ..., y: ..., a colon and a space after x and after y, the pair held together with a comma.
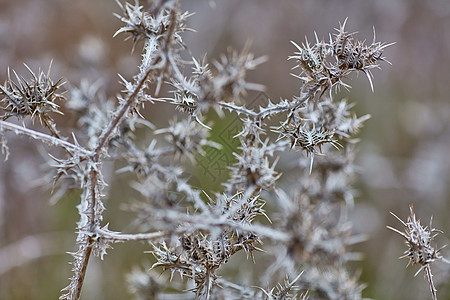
x: 404, y: 150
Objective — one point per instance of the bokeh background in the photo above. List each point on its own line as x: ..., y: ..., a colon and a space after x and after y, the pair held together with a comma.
x: 403, y: 157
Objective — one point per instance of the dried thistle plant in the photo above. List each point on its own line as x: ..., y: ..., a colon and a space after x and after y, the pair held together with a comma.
x: 197, y: 233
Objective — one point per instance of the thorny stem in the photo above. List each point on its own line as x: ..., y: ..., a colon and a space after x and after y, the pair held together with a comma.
x: 86, y: 243
x: 207, y: 293
x: 48, y: 139
x: 263, y: 113
x: 86, y: 254
x: 88, y: 240
x: 124, y: 109
x: 123, y: 237
x: 96, y: 159
x: 249, y: 112
x: 120, y: 114
x: 429, y: 277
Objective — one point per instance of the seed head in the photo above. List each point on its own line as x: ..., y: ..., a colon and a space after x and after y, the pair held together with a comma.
x: 310, y: 140
x: 418, y: 240
x: 35, y: 98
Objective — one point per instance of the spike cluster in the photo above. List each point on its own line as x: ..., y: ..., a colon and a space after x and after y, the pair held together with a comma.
x: 36, y: 98
x: 310, y: 140
x: 198, y: 255
x: 350, y: 55
x: 143, y: 25
x: 420, y: 251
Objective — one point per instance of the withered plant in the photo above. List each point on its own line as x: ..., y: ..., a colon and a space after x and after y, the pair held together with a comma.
x: 305, y: 237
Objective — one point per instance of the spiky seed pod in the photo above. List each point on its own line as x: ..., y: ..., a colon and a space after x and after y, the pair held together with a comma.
x: 352, y: 54
x: 201, y: 70
x: 198, y: 255
x: 187, y: 104
x: 142, y: 25
x: 185, y: 97
x: 35, y: 98
x: 310, y: 140
x: 418, y: 240
x: 229, y: 83
x: 335, y: 115
x: 310, y: 59
x: 207, y: 87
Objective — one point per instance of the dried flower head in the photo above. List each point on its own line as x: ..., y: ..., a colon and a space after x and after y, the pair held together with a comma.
x: 141, y: 24
x: 198, y: 255
x: 353, y: 54
x: 35, y: 98
x: 321, y: 73
x: 420, y: 251
x: 335, y: 116
x: 229, y: 83
x: 308, y: 139
x: 250, y: 133
x: 83, y: 96
x: 185, y: 96
x: 225, y: 82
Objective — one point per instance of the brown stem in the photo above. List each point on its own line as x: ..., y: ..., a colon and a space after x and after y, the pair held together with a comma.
x: 80, y: 275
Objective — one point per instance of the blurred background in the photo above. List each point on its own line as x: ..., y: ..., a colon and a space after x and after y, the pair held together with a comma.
x: 403, y: 157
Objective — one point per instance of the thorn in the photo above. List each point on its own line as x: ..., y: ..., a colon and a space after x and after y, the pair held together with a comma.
x: 311, y: 164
